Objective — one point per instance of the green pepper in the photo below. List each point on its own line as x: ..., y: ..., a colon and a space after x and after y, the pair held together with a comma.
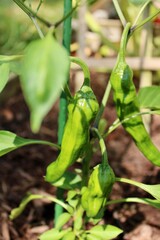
x: 127, y: 104
x: 95, y: 195
x: 82, y: 110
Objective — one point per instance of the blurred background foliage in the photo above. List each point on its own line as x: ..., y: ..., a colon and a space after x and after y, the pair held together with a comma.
x: 16, y: 29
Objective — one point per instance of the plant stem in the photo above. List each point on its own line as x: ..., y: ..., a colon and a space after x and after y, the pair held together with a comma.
x: 134, y: 28
x: 117, y: 122
x: 31, y: 13
x: 103, y: 104
x: 119, y: 12
x: 37, y: 27
x: 63, y: 99
x: 102, y: 146
x: 140, y: 12
x: 126, y: 180
x: 130, y: 199
x: 60, y: 203
x: 84, y: 67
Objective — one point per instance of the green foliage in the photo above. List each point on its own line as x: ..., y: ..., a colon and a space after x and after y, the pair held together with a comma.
x: 149, y: 97
x: 69, y: 180
x: 104, y: 232
x: 10, y: 141
x: 62, y: 220
x: 44, y: 72
x: 17, y: 211
x: 137, y: 2
x: 4, y: 75
x: 54, y: 234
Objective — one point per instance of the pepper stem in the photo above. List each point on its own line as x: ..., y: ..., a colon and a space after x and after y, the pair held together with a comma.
x: 123, y: 44
x: 102, y: 146
x: 85, y: 69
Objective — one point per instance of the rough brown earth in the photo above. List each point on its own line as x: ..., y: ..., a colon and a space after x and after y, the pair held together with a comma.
x: 23, y: 170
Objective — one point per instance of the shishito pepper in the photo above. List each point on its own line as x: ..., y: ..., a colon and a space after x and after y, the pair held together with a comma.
x: 82, y: 110
x: 95, y: 195
x: 127, y: 104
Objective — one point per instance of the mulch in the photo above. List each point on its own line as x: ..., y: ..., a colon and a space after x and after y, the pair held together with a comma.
x: 22, y: 171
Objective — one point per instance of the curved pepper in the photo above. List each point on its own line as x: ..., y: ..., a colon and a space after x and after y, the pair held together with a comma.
x: 95, y: 195
x: 127, y: 104
x: 81, y: 112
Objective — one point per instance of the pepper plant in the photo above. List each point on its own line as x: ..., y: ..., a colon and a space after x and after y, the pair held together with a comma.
x: 45, y: 67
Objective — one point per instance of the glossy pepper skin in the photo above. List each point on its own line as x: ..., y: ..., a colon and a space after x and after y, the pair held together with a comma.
x: 81, y: 112
x: 95, y: 195
x: 127, y: 105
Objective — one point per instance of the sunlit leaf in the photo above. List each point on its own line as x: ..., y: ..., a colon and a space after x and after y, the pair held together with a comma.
x: 72, y: 198
x: 153, y: 189
x: 17, y: 211
x: 54, y: 234
x: 69, y: 180
x: 69, y: 236
x: 7, y: 59
x: 149, y: 97
x: 4, y: 75
x: 152, y: 202
x: 105, y: 232
x: 44, y: 72
x: 10, y: 141
x: 62, y: 219
x: 92, y: 237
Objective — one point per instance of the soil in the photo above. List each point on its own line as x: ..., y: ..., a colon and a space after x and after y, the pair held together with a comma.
x: 22, y: 171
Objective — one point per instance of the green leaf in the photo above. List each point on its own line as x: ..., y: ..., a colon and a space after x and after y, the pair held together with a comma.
x: 149, y: 97
x: 154, y: 189
x: 4, y: 75
x: 7, y: 59
x: 17, y: 211
x: 72, y: 198
x: 69, y: 236
x: 69, y: 180
x: 54, y: 234
x: 62, y: 220
x: 92, y: 237
x: 105, y: 232
x: 44, y: 73
x: 137, y: 2
x: 152, y: 202
x: 15, y: 67
x: 10, y: 141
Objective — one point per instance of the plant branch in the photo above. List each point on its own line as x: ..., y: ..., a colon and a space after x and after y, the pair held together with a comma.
x: 134, y: 28
x: 117, y: 122
x: 102, y: 146
x: 31, y: 13
x: 84, y: 67
x: 103, y: 104
x: 37, y: 27
x: 119, y: 12
x: 140, y: 12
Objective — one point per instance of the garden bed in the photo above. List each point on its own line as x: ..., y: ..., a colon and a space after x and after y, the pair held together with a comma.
x: 22, y: 171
